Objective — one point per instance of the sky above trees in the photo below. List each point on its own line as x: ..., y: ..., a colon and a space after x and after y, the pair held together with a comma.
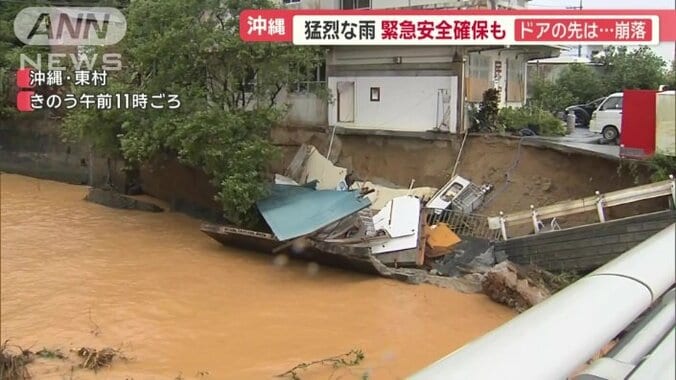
x: 666, y: 49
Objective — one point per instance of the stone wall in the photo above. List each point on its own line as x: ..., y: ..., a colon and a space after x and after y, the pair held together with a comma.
x: 584, y: 248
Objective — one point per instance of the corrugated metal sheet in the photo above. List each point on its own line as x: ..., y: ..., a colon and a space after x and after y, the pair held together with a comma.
x: 294, y: 211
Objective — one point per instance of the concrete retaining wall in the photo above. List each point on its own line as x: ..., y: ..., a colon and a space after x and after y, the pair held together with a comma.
x: 584, y: 248
x: 34, y: 147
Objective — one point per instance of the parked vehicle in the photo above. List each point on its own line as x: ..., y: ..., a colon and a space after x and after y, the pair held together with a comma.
x: 607, y: 119
x: 583, y: 112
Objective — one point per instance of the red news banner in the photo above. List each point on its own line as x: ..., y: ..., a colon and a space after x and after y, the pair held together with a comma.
x: 458, y: 27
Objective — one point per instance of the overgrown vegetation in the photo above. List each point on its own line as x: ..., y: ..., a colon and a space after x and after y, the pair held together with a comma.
x: 488, y: 117
x: 14, y: 361
x: 661, y: 166
x: 228, y: 92
x: 534, y: 118
x: 485, y: 117
x: 618, y: 68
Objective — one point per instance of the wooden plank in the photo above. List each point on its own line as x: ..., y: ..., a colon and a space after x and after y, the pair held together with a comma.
x: 422, y: 238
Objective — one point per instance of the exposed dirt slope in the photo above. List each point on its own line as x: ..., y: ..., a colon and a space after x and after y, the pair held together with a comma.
x: 537, y: 176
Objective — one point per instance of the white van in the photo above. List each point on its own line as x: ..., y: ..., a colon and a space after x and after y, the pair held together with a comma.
x: 607, y: 119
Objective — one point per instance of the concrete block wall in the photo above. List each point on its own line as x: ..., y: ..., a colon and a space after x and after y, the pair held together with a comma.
x: 584, y: 248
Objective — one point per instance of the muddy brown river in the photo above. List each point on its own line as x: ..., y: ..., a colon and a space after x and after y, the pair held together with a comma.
x: 180, y: 305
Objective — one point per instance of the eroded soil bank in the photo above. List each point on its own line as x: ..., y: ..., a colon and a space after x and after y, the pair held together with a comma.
x: 176, y: 302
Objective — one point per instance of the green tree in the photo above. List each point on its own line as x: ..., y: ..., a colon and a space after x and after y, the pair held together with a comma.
x: 671, y: 76
x: 550, y: 96
x: 582, y: 82
x: 636, y: 69
x: 619, y: 69
x: 10, y: 50
x: 227, y: 89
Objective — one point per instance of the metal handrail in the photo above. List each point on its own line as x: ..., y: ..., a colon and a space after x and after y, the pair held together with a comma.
x: 596, y: 202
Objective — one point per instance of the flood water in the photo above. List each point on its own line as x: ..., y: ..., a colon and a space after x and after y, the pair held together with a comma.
x: 179, y: 304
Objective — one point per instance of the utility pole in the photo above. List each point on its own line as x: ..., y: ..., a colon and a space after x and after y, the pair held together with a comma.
x: 579, y: 47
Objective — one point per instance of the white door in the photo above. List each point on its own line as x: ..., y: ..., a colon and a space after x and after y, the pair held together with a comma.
x: 345, y: 102
x: 608, y: 115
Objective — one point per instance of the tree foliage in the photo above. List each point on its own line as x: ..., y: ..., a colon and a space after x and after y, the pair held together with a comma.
x: 551, y: 96
x: 617, y: 69
x: 532, y: 117
x: 486, y: 117
x: 636, y: 69
x: 227, y: 88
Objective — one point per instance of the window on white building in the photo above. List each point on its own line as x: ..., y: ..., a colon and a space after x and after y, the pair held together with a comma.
x: 514, y: 85
x: 291, y: 1
x: 315, y: 79
x: 478, y: 76
x: 375, y: 94
x: 355, y: 4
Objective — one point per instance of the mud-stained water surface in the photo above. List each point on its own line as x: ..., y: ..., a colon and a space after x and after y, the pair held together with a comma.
x: 179, y: 304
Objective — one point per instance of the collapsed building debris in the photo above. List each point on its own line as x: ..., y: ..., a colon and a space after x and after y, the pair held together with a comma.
x: 14, y: 361
x: 319, y: 212
x: 440, y: 239
x: 309, y: 165
x: 508, y: 284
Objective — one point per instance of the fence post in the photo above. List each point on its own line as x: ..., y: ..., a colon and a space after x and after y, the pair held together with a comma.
x: 599, y: 206
x: 673, y: 189
x: 534, y: 216
x: 503, y: 226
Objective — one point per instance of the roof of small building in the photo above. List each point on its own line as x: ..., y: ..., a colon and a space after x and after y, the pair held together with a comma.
x: 563, y: 60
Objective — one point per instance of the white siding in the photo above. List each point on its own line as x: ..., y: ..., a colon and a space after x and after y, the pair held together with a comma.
x: 406, y: 103
x: 355, y: 55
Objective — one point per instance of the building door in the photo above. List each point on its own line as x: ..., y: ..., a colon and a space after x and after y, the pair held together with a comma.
x: 345, y: 102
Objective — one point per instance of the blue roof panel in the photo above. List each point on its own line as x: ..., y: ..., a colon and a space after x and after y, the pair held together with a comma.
x: 293, y: 211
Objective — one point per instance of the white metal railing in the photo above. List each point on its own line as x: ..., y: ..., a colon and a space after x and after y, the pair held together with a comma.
x: 596, y: 202
x: 553, y: 338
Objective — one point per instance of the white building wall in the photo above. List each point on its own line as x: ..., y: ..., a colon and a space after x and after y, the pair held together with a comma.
x: 304, y: 109
x: 411, y: 103
x: 363, y: 55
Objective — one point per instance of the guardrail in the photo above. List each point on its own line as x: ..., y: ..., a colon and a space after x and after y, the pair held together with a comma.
x: 596, y: 202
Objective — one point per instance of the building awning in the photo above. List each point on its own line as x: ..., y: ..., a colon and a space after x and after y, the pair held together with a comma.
x: 562, y: 60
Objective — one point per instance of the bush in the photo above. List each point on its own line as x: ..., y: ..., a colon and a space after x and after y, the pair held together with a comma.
x: 661, y: 166
x: 550, y: 96
x: 485, y: 118
x: 534, y: 118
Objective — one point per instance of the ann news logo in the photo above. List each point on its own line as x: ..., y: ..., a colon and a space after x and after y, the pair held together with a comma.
x: 70, y: 26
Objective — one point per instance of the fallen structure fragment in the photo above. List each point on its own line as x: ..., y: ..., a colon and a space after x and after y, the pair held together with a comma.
x: 309, y: 165
x: 459, y: 194
x: 317, y: 212
x: 440, y: 239
x: 381, y: 195
x: 295, y: 211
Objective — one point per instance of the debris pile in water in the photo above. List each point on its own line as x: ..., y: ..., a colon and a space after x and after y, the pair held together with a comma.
x: 96, y: 359
x: 13, y: 362
x: 348, y: 359
x: 508, y: 284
